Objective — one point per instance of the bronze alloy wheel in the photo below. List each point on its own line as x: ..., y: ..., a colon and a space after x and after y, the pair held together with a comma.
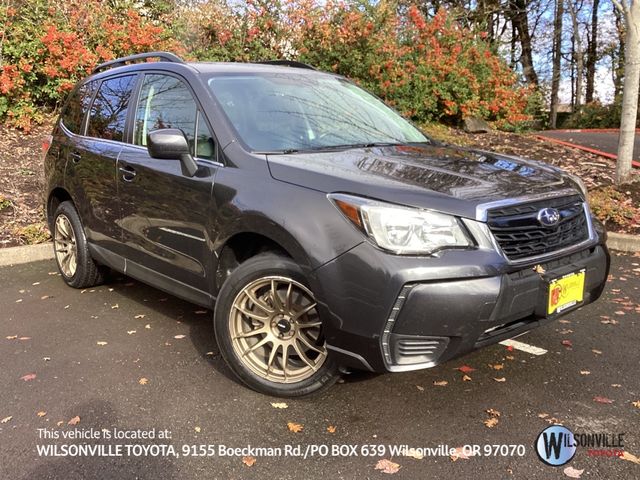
x: 276, y: 331
x: 65, y: 246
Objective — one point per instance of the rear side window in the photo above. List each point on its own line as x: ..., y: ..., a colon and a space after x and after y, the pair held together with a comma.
x: 109, y: 109
x: 73, y: 114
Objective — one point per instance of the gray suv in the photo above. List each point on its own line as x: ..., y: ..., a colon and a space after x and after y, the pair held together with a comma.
x: 323, y: 229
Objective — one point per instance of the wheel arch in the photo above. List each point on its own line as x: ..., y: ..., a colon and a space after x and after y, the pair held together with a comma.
x: 55, y: 198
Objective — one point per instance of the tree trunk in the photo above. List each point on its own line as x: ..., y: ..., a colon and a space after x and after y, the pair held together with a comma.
x: 520, y: 21
x: 618, y: 67
x: 557, y: 58
x: 592, y: 53
x: 630, y: 92
x: 578, y: 55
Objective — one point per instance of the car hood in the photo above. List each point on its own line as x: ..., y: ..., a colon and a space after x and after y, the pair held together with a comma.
x: 449, y: 179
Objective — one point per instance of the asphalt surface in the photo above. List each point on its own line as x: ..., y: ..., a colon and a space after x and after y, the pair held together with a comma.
x: 604, y: 141
x: 191, y: 393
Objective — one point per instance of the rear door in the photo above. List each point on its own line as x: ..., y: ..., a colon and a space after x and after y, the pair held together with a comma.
x: 91, y: 164
x: 165, y: 214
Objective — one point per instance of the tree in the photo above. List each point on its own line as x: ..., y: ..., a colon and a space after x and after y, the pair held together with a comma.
x: 520, y: 22
x: 578, y: 55
x: 592, y: 52
x: 630, y: 10
x: 557, y: 62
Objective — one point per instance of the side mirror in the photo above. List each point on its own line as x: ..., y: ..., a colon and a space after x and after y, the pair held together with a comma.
x: 171, y: 144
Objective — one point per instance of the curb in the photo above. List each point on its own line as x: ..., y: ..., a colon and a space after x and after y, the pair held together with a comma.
x: 623, y: 242
x: 582, y: 147
x: 25, y: 254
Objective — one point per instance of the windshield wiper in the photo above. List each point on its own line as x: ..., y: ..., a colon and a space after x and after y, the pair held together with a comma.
x: 326, y: 148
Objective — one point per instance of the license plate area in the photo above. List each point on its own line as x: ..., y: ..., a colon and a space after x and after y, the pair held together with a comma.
x: 565, y: 292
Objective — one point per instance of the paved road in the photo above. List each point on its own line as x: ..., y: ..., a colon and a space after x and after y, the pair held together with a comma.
x: 604, y: 141
x: 191, y: 393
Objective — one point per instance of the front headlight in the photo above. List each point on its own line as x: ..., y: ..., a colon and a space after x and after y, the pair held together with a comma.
x: 402, y: 230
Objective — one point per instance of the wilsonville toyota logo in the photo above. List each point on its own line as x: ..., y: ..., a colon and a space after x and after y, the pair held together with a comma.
x: 556, y: 445
x: 548, y: 217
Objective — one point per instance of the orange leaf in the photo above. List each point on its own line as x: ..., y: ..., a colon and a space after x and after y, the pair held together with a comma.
x: 74, y: 421
x: 387, y: 466
x: 249, y: 461
x: 295, y: 427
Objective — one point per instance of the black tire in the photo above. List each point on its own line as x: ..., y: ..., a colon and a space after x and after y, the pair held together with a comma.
x: 87, y: 272
x: 263, y: 266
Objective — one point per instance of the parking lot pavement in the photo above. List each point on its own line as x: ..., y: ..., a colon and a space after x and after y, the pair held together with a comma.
x: 66, y: 353
x: 604, y: 141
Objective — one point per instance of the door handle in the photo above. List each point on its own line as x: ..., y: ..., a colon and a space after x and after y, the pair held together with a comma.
x: 128, y: 173
x: 75, y: 156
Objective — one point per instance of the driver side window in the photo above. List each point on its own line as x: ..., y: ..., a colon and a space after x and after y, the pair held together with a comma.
x: 166, y: 102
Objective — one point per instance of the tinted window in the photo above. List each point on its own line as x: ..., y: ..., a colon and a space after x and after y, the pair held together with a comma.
x: 109, y: 109
x: 73, y: 113
x: 165, y: 102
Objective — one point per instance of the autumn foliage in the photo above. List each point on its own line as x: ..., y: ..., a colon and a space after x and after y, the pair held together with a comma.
x: 428, y: 68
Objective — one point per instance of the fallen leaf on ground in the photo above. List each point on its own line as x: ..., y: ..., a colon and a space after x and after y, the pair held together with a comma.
x: 24, y: 338
x: 597, y: 352
x: 466, y: 369
x: 543, y: 415
x: 12, y: 337
x: 143, y: 381
x: 131, y: 332
x: 331, y: 429
x: 440, y: 383
x: 497, y: 366
x: 564, y: 321
x: 466, y: 378
x: 567, y: 343
x: 585, y: 372
x: 41, y: 414
x: 101, y: 343
x: 491, y: 422
x: 139, y: 316
x: 630, y: 457
x: 6, y: 419
x: 74, y: 421
x: 178, y: 337
x: 249, y: 461
x: 147, y: 326
x: 113, y: 307
x: 501, y: 379
x: 387, y: 466
x: 44, y: 297
x: 420, y: 387
x: 602, y: 399
x: 197, y: 429
x: 510, y: 357
x: 492, y: 412
x: 279, y: 405
x: 28, y: 377
x: 616, y: 385
x: 200, y: 312
x: 60, y: 423
x: 636, y: 404
x: 572, y: 472
x: 295, y: 427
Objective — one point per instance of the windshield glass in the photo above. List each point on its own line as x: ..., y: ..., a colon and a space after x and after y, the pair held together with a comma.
x: 289, y: 111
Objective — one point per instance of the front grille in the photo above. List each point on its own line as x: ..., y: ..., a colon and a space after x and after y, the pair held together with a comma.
x: 520, y: 235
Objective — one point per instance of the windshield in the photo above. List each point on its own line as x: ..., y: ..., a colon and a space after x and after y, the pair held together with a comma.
x: 289, y: 112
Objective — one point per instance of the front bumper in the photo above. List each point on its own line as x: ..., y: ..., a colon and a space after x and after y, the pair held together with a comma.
x: 393, y: 313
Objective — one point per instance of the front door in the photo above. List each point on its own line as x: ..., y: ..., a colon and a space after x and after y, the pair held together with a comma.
x: 165, y: 214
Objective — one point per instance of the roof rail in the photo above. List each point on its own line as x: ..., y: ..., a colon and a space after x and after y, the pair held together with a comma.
x: 118, y: 62
x: 287, y: 63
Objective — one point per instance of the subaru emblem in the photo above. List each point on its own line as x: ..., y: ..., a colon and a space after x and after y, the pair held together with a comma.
x: 548, y: 217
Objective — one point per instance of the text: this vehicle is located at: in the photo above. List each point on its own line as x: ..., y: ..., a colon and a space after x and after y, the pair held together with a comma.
x: 322, y: 228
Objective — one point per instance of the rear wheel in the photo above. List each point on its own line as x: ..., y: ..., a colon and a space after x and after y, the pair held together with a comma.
x: 269, y: 330
x: 74, y: 261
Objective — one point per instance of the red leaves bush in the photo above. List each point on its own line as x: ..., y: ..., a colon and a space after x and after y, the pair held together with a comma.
x: 428, y: 68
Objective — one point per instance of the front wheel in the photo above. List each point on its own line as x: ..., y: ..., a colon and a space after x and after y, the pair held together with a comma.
x: 269, y: 331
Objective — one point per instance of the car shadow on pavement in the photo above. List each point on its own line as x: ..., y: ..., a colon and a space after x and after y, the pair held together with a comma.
x: 199, y: 320
x: 99, y: 415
